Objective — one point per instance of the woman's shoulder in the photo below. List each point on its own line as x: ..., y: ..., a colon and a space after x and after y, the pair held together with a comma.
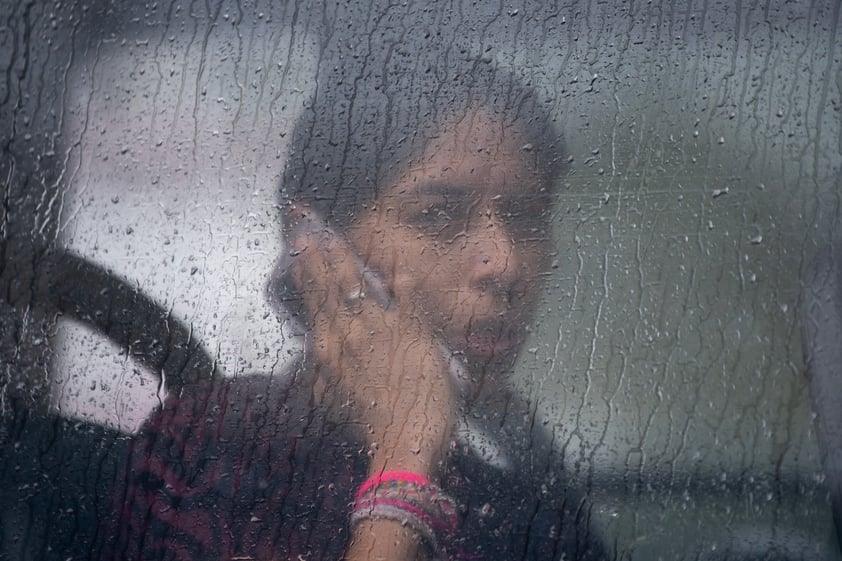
x: 517, y: 500
x: 243, y: 400
x: 252, y: 456
x: 239, y: 416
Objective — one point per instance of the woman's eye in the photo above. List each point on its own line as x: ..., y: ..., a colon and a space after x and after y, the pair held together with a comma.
x: 429, y: 216
x: 436, y: 215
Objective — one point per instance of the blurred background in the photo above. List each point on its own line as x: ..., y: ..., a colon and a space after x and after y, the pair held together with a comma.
x: 705, y: 146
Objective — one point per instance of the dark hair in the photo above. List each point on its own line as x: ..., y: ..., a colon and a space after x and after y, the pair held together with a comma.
x: 351, y: 142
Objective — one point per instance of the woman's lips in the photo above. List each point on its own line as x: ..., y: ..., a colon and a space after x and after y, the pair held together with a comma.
x: 488, y: 344
x: 494, y: 335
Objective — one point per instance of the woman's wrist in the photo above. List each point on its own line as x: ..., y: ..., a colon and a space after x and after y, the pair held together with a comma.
x: 418, y: 451
x: 411, y: 501
x: 383, y: 540
x: 419, y: 460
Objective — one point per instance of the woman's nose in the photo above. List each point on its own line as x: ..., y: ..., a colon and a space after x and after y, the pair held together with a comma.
x: 496, y: 263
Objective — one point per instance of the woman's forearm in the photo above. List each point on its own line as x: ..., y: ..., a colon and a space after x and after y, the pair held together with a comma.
x: 415, y: 448
x: 413, y: 439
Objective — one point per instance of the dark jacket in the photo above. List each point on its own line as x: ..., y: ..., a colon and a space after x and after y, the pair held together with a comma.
x: 252, y: 468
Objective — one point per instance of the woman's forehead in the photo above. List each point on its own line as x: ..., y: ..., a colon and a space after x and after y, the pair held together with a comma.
x: 478, y: 128
x: 475, y: 152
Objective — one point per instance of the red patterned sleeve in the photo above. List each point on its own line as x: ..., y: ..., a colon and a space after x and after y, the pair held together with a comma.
x: 236, y: 470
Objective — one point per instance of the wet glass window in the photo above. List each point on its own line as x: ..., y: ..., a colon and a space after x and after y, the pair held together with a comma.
x: 464, y: 280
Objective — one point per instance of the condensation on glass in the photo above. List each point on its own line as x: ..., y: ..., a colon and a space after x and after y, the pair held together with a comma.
x: 661, y: 368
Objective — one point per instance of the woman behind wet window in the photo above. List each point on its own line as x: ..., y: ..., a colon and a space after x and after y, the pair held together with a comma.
x: 417, y: 230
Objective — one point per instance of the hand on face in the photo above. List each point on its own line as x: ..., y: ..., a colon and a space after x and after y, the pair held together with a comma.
x: 378, y: 356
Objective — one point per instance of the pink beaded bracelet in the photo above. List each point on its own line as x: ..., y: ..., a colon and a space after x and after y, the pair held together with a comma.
x: 410, y: 499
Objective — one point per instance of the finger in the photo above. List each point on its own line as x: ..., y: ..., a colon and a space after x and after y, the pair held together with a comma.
x: 343, y: 302
x: 373, y: 350
x: 354, y: 278
x: 317, y: 274
x: 315, y: 262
